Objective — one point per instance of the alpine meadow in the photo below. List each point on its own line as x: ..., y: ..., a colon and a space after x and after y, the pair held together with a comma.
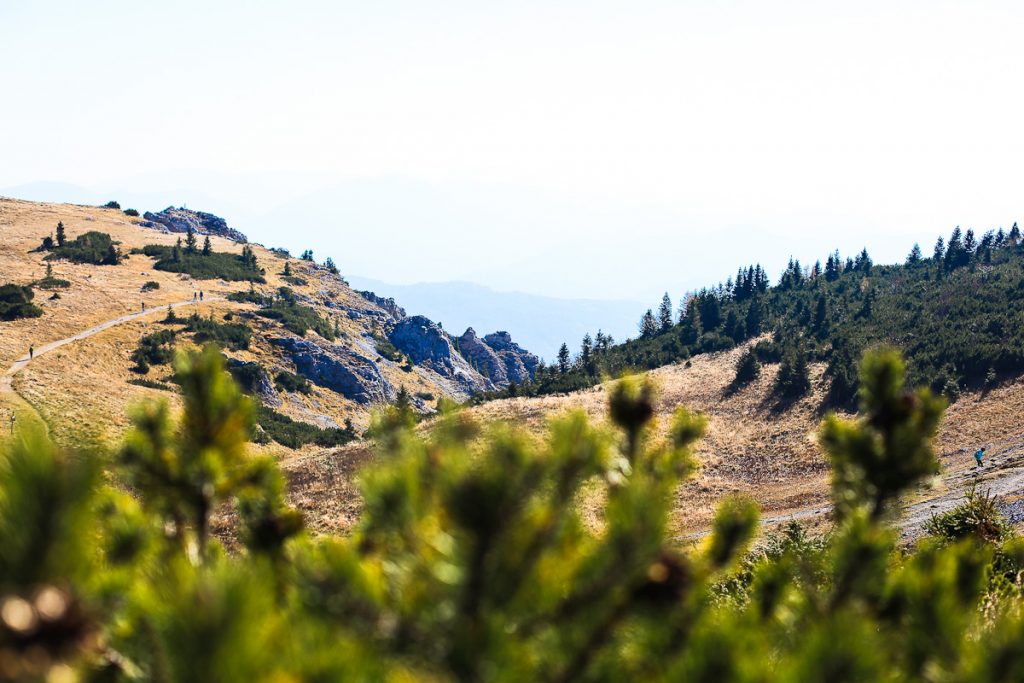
x: 282, y: 289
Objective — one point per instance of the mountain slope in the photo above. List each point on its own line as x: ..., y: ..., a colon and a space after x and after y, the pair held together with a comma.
x: 346, y: 367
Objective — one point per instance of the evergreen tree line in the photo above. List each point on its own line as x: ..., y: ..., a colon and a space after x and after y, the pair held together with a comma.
x: 955, y: 314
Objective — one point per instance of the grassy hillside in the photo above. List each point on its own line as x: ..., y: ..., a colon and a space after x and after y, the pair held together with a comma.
x: 956, y: 316
x: 85, y: 389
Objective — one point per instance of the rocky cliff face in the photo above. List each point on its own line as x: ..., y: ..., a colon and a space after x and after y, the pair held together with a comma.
x: 428, y: 345
x: 339, y: 369
x: 520, y: 364
x: 387, y: 303
x: 180, y: 220
x: 483, y: 358
x: 498, y: 357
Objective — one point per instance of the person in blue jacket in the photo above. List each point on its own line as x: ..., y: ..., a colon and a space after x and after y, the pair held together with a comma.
x: 978, y: 455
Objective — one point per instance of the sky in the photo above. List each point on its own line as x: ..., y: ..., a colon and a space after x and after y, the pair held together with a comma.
x: 577, y: 149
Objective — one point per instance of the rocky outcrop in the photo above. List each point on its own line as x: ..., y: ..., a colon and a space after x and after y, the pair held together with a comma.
x: 520, y: 364
x: 498, y: 357
x: 174, y: 219
x: 426, y: 344
x: 387, y: 303
x: 339, y: 369
x: 483, y: 358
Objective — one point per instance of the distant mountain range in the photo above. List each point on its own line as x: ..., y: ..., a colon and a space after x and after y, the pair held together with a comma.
x: 538, y: 323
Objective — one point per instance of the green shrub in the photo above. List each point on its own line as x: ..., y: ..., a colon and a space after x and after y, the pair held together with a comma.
x: 131, y: 212
x: 112, y: 205
x: 977, y: 517
x: 386, y: 349
x: 154, y: 349
x: 287, y: 381
x: 294, y: 434
x: 150, y: 285
x: 150, y: 384
x: 234, y: 336
x: 296, y: 317
x: 216, y: 265
x: 16, y: 302
x: 96, y: 248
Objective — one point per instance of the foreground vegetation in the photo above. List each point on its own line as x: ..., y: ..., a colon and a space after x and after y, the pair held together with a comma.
x: 475, y: 564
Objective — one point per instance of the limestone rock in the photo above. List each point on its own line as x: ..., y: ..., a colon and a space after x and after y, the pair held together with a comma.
x: 339, y: 369
x: 483, y: 358
x: 179, y: 220
x: 427, y: 344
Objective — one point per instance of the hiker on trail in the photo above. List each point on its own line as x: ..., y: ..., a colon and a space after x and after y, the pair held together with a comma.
x: 143, y: 306
x: 200, y: 295
x: 978, y: 455
x: 31, y: 352
x: 194, y: 295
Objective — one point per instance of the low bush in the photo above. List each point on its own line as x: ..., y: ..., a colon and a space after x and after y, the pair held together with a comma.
x: 112, y: 205
x: 977, y: 517
x: 131, y: 212
x: 294, y: 434
x: 154, y: 349
x: 386, y: 349
x: 296, y: 317
x: 215, y: 265
x: 16, y: 302
x: 93, y: 247
x: 150, y: 285
x: 150, y: 384
x: 287, y: 381
x: 234, y: 336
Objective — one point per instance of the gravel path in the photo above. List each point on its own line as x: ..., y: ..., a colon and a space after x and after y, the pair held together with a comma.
x: 7, y: 379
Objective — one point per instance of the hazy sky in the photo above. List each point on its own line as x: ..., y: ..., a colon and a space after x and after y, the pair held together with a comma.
x: 570, y: 148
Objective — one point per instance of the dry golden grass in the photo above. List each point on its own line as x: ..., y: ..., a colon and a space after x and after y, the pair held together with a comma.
x: 81, y: 389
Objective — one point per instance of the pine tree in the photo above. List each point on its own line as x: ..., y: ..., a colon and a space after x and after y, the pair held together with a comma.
x: 956, y: 255
x: 939, y: 254
x: 329, y: 265
x: 748, y: 368
x: 207, y: 248
x: 999, y: 239
x: 190, y: 240
x: 586, y: 354
x: 820, y: 315
x: 60, y: 234
x: 914, y: 257
x: 648, y: 325
x: 176, y: 251
x: 287, y: 269
x: 665, y: 314
x: 970, y: 244
x: 754, y: 318
x: 402, y: 401
x: 47, y: 244
x: 1014, y: 237
x: 563, y: 359
x: 691, y: 325
x: 307, y: 255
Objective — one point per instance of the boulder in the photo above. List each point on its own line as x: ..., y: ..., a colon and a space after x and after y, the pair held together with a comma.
x: 254, y: 380
x: 338, y: 368
x: 180, y: 220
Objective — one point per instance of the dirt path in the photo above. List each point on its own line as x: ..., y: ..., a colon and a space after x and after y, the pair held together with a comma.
x: 1002, y: 475
x: 25, y: 411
